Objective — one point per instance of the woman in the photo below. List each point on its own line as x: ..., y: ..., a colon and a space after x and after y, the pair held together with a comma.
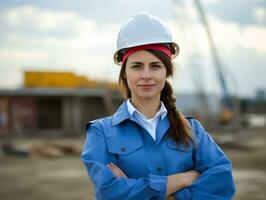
x: 148, y: 149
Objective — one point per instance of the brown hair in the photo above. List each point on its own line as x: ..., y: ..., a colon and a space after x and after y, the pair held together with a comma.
x: 180, y: 129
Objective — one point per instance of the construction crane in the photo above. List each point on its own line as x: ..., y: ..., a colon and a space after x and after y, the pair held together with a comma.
x: 227, y: 111
x: 228, y: 108
x: 194, y: 61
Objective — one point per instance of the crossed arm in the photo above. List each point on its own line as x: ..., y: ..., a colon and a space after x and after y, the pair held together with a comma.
x: 175, y: 182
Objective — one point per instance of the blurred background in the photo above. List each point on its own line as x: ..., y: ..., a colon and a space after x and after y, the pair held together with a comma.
x: 57, y: 72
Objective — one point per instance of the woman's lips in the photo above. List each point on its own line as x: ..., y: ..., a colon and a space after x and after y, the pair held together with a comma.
x: 146, y: 86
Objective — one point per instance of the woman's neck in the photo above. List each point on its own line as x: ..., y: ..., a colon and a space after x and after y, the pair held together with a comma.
x: 148, y: 107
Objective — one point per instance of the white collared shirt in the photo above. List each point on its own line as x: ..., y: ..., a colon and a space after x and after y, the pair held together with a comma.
x: 149, y: 124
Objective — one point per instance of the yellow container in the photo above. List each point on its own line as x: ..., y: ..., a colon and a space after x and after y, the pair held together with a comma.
x: 50, y: 79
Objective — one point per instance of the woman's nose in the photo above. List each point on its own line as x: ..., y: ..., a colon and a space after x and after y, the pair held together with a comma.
x: 146, y: 73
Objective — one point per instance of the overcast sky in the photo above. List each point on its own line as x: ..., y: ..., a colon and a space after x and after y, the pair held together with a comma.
x: 80, y: 36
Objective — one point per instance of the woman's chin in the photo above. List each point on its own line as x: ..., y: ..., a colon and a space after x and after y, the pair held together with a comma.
x: 147, y: 95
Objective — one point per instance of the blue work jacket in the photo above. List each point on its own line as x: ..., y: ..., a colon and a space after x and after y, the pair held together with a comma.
x: 122, y: 140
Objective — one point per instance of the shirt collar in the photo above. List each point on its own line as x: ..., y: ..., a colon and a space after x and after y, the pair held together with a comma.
x: 161, y: 112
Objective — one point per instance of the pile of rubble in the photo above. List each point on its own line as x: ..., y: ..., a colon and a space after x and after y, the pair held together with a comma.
x: 46, y: 149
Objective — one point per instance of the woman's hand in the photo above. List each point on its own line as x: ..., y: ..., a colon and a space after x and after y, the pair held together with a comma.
x: 179, y: 181
x: 116, y: 170
x: 170, y: 198
x: 190, y: 177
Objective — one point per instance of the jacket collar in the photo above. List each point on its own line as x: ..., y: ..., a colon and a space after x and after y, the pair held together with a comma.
x: 162, y: 127
x: 162, y: 112
x: 121, y: 114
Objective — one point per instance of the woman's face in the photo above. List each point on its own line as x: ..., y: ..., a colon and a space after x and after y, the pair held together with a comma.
x: 145, y: 74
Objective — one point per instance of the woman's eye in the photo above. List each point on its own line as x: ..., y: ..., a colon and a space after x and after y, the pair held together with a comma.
x: 136, y: 66
x: 156, y: 66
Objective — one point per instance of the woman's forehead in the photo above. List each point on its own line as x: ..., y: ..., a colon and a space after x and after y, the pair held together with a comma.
x: 143, y: 56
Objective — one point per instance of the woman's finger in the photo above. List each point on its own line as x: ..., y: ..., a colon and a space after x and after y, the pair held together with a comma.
x: 116, y: 170
x: 171, y: 198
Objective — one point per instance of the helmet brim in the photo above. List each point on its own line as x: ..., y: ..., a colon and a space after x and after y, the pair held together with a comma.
x: 174, y: 50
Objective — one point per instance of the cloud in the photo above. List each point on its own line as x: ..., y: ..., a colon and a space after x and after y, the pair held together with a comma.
x: 237, y: 46
x: 243, y: 12
x: 234, y: 32
x: 45, y: 20
x: 231, y: 35
x: 30, y: 21
x: 109, y: 11
x: 40, y: 38
x: 193, y: 40
x: 247, y: 70
x: 34, y: 46
x: 260, y: 15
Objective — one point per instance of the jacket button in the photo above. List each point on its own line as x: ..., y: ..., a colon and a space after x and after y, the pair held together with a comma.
x: 158, y: 169
x: 123, y: 149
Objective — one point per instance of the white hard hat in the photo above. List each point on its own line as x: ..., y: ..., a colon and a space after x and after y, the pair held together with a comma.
x: 143, y: 29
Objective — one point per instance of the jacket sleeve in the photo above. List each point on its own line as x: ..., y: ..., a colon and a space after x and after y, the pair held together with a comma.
x: 215, y: 181
x: 95, y: 156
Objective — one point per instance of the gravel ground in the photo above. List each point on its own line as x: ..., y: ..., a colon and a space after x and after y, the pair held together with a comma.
x: 65, y: 178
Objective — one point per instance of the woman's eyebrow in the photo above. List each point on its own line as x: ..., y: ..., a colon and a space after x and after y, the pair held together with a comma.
x: 136, y: 63
x: 156, y: 62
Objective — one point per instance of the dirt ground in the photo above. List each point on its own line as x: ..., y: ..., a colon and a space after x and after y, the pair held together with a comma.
x: 65, y: 178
